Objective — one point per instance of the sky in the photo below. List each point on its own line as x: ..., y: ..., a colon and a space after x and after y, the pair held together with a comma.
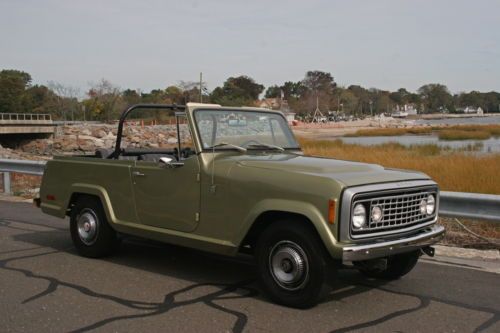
x: 149, y: 44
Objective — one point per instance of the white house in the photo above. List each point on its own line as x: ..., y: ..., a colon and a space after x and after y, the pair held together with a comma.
x: 408, y: 109
x: 470, y: 109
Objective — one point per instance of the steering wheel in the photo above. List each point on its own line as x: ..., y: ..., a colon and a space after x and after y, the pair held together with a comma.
x: 246, y: 143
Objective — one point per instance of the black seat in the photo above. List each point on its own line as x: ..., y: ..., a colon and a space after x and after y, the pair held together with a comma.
x: 103, y: 153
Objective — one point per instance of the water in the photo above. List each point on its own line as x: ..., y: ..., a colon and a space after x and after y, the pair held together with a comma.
x: 492, y: 145
x: 460, y: 121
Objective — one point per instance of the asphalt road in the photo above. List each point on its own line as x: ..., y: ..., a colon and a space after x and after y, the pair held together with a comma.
x: 150, y: 287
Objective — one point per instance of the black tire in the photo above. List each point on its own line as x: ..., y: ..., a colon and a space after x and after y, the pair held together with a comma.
x: 100, y: 239
x: 291, y: 238
x: 397, y: 266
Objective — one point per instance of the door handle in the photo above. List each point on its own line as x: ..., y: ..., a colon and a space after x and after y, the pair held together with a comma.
x: 138, y: 174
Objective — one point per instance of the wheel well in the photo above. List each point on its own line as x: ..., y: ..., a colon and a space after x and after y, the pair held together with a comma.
x: 264, y: 220
x: 74, y: 198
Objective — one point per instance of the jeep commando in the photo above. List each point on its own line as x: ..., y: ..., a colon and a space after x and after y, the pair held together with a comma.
x: 241, y: 184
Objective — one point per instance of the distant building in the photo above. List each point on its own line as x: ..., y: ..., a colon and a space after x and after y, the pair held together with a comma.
x: 470, y: 109
x: 408, y: 109
x: 278, y: 104
x: 269, y: 103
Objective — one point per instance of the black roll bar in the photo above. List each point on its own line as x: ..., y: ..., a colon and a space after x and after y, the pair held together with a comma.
x: 125, y: 113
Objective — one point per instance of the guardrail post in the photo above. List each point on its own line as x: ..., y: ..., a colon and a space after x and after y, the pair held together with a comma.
x: 6, y: 183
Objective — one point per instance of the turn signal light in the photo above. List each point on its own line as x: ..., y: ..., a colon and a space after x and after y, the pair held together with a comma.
x: 331, y: 211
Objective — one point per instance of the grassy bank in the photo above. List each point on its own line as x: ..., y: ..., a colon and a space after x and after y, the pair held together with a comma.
x: 458, y: 132
x: 391, y: 131
x: 454, y: 171
x: 463, y: 135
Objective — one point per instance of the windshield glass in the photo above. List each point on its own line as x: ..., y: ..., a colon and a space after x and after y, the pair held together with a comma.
x: 248, y: 129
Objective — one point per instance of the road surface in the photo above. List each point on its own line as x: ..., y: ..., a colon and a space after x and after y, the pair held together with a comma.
x: 150, y: 287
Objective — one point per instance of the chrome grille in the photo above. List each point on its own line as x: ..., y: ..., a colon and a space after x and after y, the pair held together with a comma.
x: 400, y: 211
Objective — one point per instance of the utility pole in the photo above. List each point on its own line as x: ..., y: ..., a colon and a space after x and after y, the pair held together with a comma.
x: 201, y: 87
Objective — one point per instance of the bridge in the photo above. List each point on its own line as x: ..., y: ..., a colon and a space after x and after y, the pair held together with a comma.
x: 26, y: 123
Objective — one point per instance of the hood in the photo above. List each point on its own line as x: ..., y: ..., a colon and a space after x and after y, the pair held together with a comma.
x: 346, y: 172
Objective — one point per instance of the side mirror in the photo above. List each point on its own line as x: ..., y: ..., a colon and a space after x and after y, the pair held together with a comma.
x: 169, y: 163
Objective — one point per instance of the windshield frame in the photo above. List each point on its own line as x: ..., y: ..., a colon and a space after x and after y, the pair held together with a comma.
x: 288, y: 130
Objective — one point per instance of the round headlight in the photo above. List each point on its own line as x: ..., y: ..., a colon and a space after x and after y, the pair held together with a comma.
x: 376, y: 214
x: 431, y: 204
x: 359, y: 216
x: 423, y: 207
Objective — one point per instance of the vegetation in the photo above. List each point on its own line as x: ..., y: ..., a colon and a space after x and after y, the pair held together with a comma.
x: 391, y: 131
x: 104, y: 100
x: 463, y: 135
x: 453, y: 170
x: 458, y: 132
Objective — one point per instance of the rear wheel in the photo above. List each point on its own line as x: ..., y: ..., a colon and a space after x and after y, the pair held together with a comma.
x: 90, y: 231
x: 395, y: 266
x: 291, y: 264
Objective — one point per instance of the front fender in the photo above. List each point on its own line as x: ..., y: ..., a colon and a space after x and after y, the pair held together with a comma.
x: 296, y: 207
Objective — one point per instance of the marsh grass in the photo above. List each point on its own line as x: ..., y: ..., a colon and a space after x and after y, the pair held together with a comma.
x: 463, y: 135
x: 391, y: 131
x: 457, y: 132
x: 453, y: 170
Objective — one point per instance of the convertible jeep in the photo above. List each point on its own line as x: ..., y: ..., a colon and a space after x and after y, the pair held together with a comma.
x: 240, y: 184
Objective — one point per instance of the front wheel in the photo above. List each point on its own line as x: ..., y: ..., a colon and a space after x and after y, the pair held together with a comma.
x: 291, y: 264
x: 395, y: 266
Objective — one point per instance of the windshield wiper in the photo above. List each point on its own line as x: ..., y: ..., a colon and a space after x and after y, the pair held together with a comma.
x: 222, y: 144
x: 266, y: 145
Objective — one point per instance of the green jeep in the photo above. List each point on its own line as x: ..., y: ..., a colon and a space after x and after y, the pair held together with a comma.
x: 243, y: 185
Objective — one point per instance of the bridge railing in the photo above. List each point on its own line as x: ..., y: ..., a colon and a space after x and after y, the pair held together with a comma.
x: 23, y: 117
x: 452, y: 204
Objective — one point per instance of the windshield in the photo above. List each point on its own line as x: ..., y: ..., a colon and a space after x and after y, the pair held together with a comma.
x: 248, y: 129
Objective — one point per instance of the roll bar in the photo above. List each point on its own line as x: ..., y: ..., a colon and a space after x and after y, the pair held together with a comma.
x: 127, y: 111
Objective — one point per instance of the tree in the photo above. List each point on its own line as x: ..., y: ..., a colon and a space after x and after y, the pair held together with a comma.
x: 103, y: 100
x: 241, y: 90
x: 273, y: 92
x: 348, y: 101
x: 174, y: 95
x: 40, y: 99
x: 66, y: 98
x: 435, y: 97
x: 316, y: 86
x: 400, y: 97
x: 318, y: 81
x: 13, y: 85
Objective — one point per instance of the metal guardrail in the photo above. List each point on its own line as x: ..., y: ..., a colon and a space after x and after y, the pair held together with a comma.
x: 452, y: 204
x: 19, y: 166
x: 470, y: 205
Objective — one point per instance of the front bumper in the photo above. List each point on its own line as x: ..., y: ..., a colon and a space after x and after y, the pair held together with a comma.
x: 426, y: 237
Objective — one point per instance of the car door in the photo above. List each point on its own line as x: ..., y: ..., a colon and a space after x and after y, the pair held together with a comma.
x: 167, y: 198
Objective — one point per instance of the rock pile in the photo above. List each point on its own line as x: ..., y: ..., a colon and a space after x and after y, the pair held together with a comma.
x: 88, y: 137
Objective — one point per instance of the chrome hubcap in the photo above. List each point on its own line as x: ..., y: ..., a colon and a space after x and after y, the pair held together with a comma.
x: 87, y: 226
x: 288, y: 265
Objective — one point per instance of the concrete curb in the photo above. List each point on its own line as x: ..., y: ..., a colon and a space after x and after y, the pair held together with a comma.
x: 481, y: 260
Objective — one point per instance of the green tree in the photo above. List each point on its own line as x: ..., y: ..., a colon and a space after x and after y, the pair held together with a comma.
x: 40, y: 99
x: 435, y: 97
x: 318, y: 81
x: 103, y: 101
x: 13, y: 85
x: 273, y: 92
x: 174, y: 95
x: 241, y: 90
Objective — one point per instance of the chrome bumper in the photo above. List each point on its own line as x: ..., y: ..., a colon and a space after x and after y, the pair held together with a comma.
x: 428, y: 237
